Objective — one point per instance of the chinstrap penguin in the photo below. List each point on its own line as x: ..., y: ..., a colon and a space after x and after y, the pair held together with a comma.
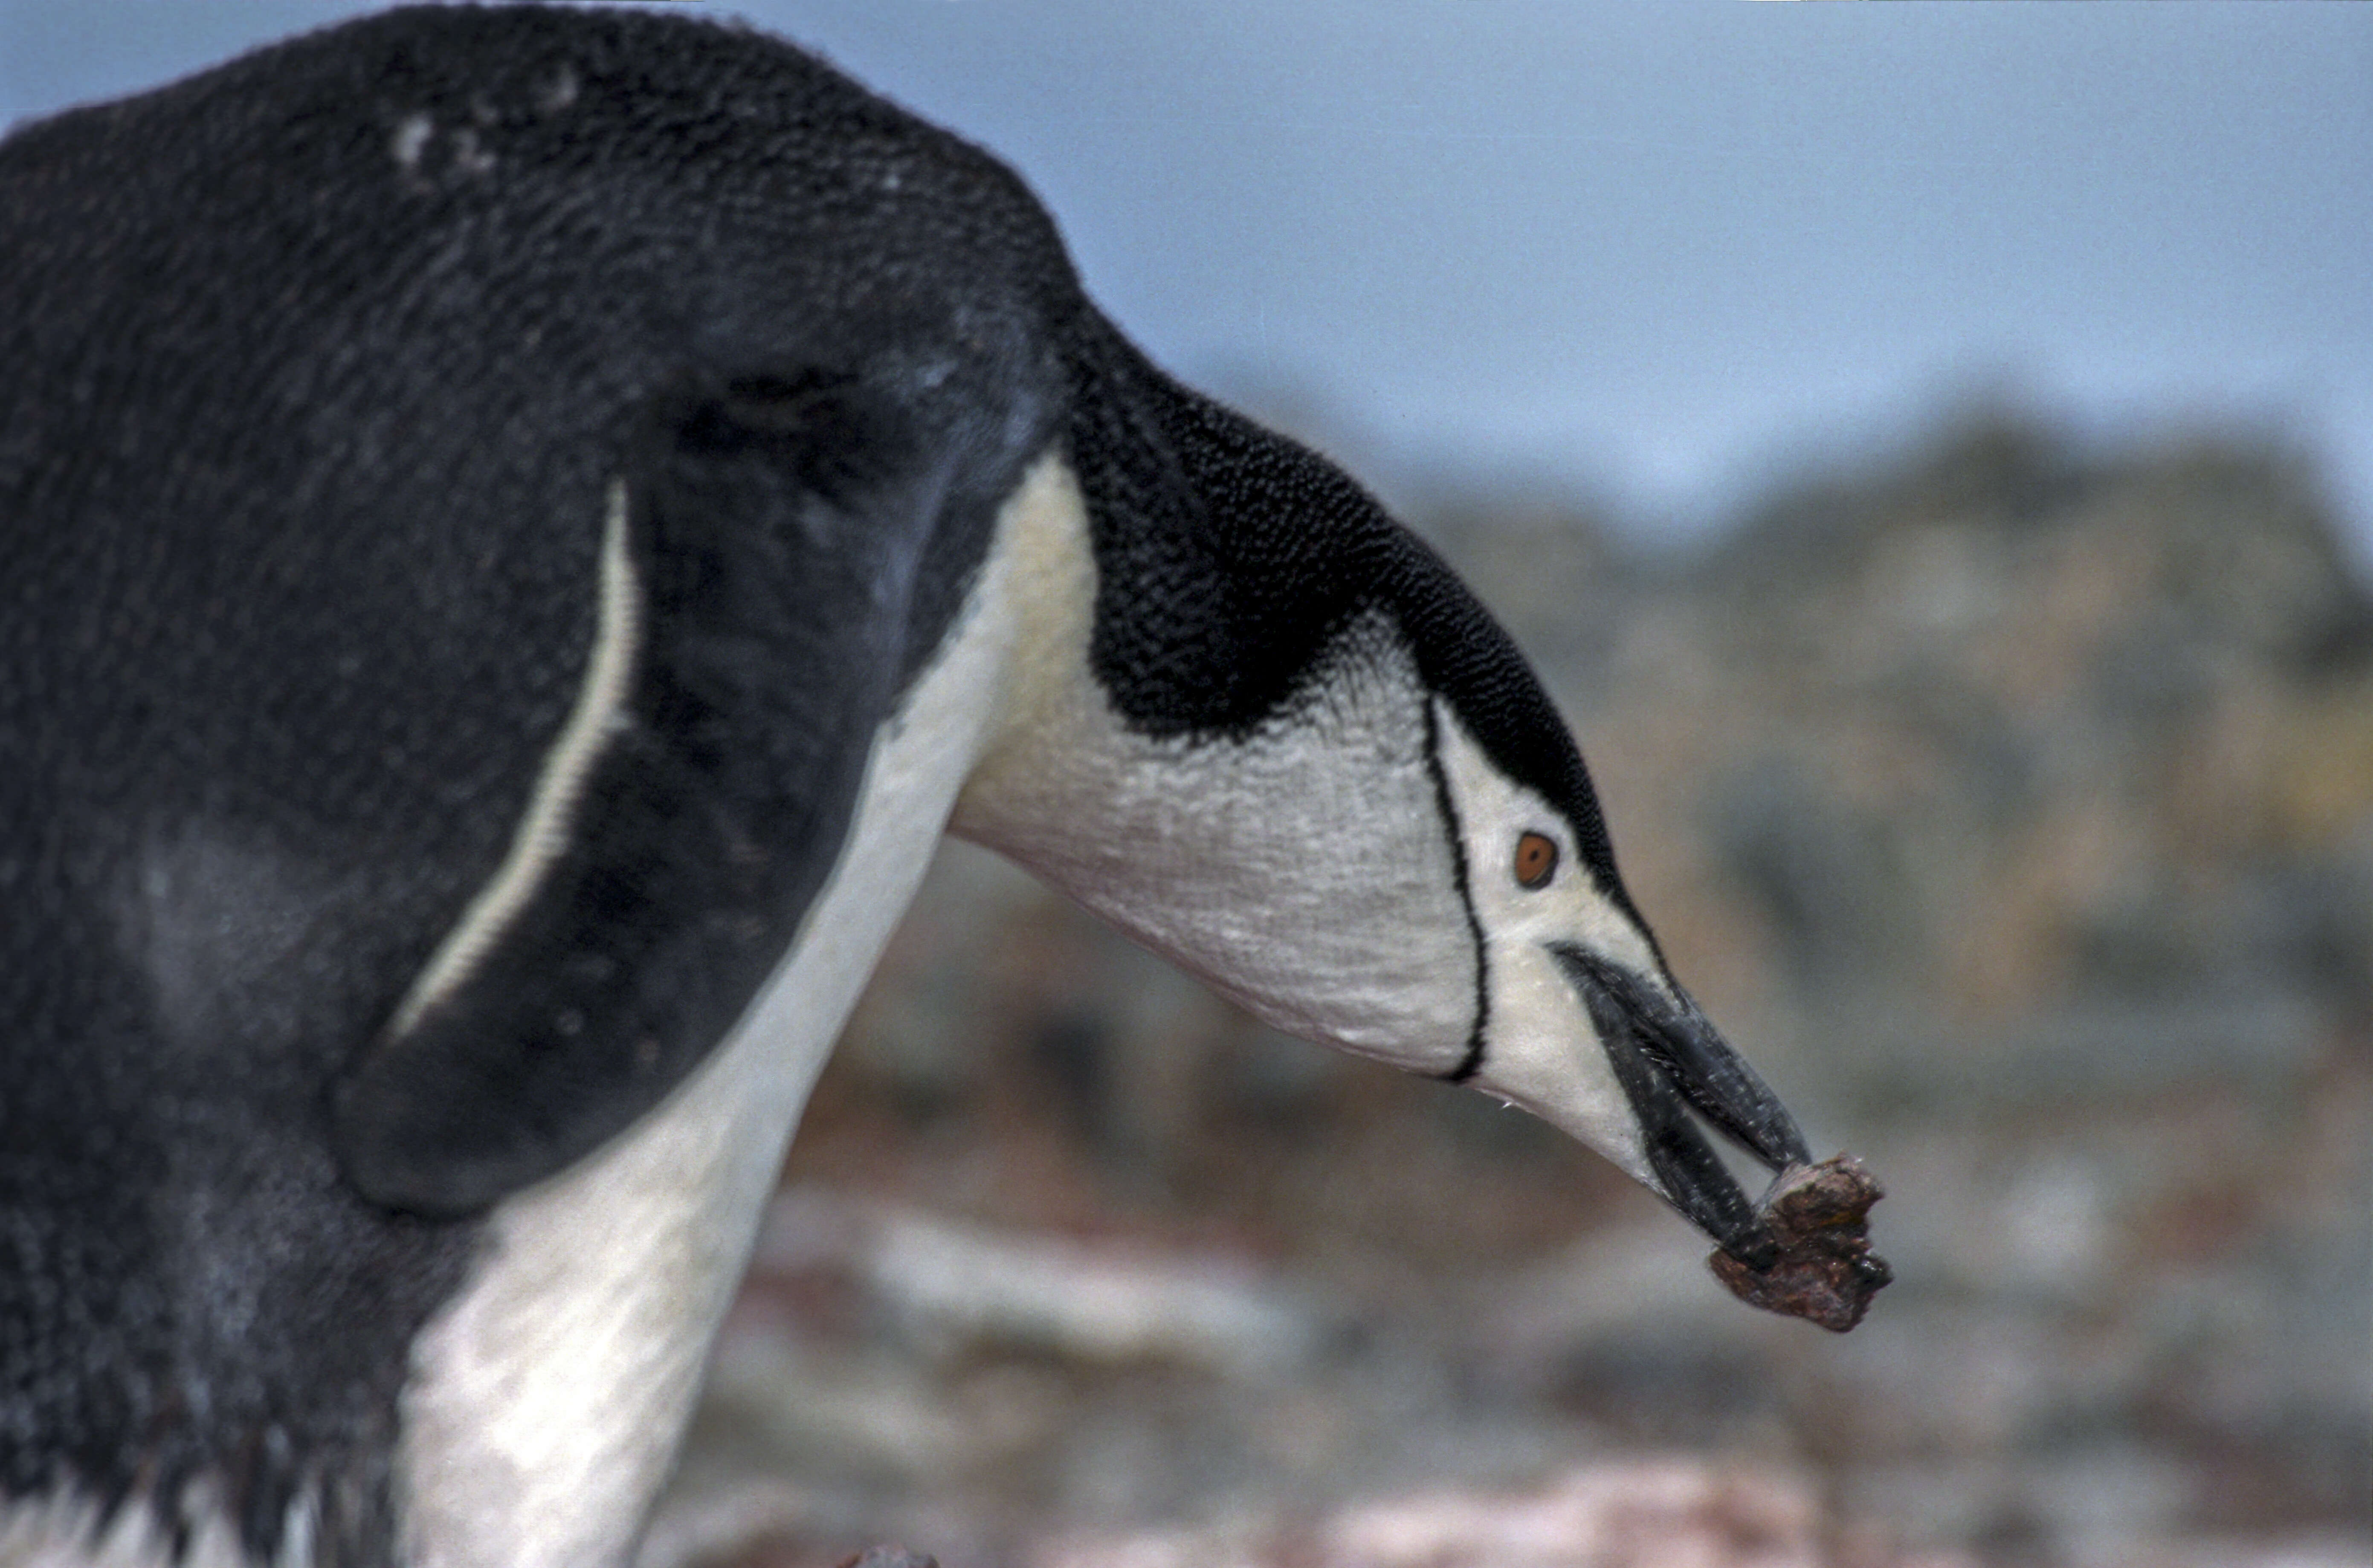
x: 519, y: 530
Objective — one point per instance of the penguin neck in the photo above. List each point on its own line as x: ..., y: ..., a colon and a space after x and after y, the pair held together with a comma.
x: 1262, y: 862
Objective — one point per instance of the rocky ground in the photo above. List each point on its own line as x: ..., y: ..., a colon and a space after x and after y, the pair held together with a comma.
x: 2012, y: 808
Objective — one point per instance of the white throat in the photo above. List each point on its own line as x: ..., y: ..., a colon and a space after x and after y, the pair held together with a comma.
x: 1304, y: 870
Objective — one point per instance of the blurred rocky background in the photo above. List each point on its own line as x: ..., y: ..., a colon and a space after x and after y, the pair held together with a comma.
x: 2011, y: 805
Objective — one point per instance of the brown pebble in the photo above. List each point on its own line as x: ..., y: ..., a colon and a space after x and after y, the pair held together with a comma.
x: 1826, y: 1272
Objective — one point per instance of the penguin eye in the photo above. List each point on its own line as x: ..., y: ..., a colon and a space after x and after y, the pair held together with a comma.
x: 1537, y: 855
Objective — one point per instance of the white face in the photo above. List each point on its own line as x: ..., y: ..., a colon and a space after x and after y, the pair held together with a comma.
x: 1531, y: 891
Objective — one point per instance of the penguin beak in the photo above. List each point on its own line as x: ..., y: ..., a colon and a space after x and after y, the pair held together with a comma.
x: 1670, y: 1061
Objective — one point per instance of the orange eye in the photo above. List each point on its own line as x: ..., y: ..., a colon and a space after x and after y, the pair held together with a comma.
x: 1536, y: 860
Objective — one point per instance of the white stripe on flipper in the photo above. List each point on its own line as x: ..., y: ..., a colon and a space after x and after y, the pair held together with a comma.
x: 543, y: 831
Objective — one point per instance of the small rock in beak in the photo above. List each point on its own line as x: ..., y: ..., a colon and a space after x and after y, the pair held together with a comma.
x: 1825, y: 1272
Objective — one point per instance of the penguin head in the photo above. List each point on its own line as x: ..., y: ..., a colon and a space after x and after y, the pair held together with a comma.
x: 1264, y: 731
x: 1580, y: 1021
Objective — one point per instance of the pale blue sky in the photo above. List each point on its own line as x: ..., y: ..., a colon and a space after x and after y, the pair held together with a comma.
x: 1654, y: 251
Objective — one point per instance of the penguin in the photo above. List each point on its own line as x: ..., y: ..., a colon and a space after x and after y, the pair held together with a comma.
x: 519, y: 528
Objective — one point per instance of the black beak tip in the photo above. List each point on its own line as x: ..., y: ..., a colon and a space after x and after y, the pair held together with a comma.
x: 1670, y: 1061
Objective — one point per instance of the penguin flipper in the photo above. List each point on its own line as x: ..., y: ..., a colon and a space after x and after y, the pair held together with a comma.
x: 759, y: 555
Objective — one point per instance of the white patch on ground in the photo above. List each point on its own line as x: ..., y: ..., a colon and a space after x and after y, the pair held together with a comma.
x: 956, y: 1284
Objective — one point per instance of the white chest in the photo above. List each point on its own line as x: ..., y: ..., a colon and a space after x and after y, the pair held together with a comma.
x: 546, y: 1402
